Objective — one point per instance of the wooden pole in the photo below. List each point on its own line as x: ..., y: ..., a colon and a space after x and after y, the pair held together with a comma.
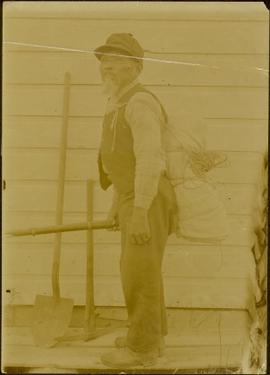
x: 90, y: 323
x: 97, y: 224
x: 60, y: 188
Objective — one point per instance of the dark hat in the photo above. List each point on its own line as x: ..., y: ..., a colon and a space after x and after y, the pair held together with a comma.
x: 122, y: 43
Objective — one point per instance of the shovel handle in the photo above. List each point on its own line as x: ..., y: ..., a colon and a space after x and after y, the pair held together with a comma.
x: 60, y: 188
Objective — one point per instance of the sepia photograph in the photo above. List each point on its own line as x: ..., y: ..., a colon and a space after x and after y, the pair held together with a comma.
x: 134, y: 187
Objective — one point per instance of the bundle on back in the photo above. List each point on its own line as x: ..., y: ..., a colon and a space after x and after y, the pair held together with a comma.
x: 201, y: 212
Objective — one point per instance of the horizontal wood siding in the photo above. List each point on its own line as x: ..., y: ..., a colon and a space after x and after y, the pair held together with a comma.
x: 84, y: 133
x: 185, y: 70
x: 208, y: 59
x: 214, y: 102
x: 180, y: 292
x: 157, y: 36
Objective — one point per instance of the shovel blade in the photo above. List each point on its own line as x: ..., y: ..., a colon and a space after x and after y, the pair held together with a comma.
x: 51, y: 318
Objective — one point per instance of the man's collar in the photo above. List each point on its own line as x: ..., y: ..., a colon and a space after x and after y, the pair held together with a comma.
x: 112, y: 101
x: 124, y: 90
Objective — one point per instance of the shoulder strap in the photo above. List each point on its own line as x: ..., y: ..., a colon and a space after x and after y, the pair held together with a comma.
x: 140, y: 88
x: 159, y: 102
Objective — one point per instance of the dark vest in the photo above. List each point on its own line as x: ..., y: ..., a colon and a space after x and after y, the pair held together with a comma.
x: 116, y: 149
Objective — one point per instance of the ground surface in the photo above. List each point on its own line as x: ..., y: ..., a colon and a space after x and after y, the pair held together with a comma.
x: 186, y: 350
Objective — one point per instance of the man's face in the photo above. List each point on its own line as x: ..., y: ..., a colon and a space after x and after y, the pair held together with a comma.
x: 117, y: 71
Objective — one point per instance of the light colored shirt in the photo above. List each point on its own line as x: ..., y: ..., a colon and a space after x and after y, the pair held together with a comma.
x: 144, y: 116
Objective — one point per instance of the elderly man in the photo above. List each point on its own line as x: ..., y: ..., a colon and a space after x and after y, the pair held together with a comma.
x: 132, y: 159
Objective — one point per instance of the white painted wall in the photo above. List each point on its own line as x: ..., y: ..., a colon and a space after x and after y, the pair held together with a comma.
x: 227, y: 42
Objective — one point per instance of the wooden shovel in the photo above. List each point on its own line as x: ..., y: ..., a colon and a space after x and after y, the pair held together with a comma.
x: 52, y: 314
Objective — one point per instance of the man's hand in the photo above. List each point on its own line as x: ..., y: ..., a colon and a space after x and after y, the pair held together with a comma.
x: 139, y: 228
x: 113, y: 212
x: 113, y: 218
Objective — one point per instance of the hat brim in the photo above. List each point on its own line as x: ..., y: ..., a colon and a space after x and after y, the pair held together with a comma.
x: 110, y: 48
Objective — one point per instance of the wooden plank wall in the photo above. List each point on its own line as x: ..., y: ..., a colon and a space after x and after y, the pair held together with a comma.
x: 223, y: 50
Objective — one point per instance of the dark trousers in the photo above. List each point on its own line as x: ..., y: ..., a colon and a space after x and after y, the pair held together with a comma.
x: 141, y: 272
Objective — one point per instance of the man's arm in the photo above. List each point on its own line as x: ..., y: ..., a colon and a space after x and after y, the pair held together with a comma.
x: 143, y: 113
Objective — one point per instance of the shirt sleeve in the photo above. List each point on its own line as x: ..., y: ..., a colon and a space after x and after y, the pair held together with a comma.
x: 144, y: 116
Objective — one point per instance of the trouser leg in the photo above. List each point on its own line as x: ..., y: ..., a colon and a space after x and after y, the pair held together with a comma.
x: 142, y: 279
x: 164, y: 327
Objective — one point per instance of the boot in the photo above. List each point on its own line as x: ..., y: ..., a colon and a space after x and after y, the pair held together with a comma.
x: 124, y: 358
x: 121, y: 342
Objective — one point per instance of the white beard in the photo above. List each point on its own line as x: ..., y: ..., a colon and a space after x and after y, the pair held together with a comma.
x: 109, y: 88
